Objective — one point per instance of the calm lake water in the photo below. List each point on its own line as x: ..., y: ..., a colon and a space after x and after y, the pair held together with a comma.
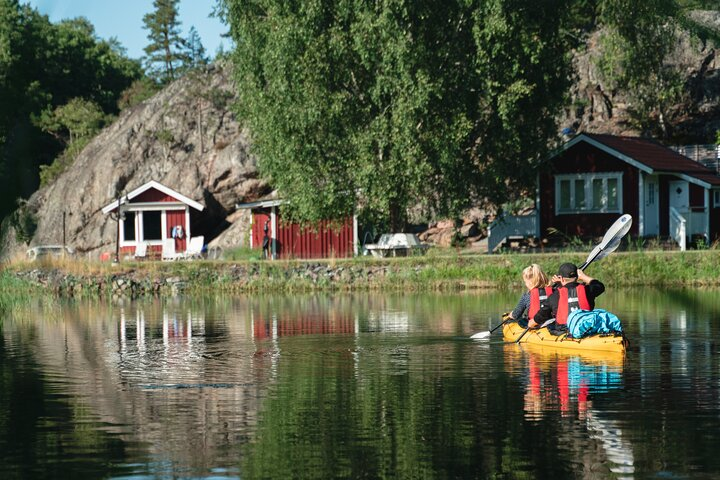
x: 354, y: 386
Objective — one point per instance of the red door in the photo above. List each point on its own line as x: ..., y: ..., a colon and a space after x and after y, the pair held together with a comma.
x: 260, y: 219
x: 176, y: 218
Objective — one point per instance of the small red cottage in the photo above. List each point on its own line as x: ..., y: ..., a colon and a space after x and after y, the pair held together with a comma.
x: 324, y: 239
x: 595, y: 178
x: 151, y: 214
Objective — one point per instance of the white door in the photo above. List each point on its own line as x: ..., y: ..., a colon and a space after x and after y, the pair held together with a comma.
x: 652, y: 218
x: 680, y: 196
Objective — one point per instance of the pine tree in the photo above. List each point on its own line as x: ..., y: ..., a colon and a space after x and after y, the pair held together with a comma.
x: 167, y: 52
x: 195, y: 50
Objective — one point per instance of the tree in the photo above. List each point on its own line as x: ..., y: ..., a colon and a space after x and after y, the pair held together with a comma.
x: 74, y: 125
x: 638, y: 38
x: 381, y: 106
x: 197, y: 56
x: 167, y: 48
x: 44, y: 66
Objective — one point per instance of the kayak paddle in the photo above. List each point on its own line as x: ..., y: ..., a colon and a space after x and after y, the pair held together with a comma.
x: 485, y: 334
x: 610, y: 243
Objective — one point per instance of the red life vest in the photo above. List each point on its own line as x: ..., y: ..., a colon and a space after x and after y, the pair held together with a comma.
x: 571, y: 299
x: 537, y: 299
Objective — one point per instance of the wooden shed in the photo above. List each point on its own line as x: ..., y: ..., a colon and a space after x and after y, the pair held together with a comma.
x: 324, y: 239
x: 151, y: 214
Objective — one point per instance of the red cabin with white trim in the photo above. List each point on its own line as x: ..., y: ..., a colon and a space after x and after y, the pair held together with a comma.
x: 151, y: 214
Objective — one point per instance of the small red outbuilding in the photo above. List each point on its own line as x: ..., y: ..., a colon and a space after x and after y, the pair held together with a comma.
x: 324, y: 239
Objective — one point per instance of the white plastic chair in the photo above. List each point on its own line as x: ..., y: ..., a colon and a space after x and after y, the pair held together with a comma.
x: 140, y: 251
x: 168, y: 250
x: 194, y: 249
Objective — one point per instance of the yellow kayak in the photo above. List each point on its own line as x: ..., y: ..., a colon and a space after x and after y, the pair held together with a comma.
x: 603, y: 343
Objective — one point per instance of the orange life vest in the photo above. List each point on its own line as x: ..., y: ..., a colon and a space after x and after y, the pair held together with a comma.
x: 538, y: 296
x: 571, y: 299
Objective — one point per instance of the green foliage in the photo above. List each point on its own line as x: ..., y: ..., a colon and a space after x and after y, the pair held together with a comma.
x: 79, y: 118
x: 381, y: 106
x: 197, y: 56
x: 218, y: 97
x: 139, y: 91
x: 638, y: 39
x: 166, y: 54
x: 24, y: 221
x: 165, y: 137
x: 242, y: 254
x: 74, y: 124
x: 17, y: 293
x: 44, y: 66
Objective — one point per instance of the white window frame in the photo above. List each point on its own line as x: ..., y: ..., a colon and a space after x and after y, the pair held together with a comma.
x: 588, y: 179
x: 716, y: 195
x: 140, y: 233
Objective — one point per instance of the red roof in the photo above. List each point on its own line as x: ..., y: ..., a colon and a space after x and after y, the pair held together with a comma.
x: 657, y: 157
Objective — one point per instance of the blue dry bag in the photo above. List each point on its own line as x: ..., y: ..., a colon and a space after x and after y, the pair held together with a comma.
x: 583, y: 323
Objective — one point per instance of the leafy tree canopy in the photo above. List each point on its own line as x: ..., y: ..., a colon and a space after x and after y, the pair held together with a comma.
x: 44, y: 66
x: 387, y: 105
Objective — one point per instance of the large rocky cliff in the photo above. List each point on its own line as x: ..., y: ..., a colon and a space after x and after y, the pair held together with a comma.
x: 185, y: 137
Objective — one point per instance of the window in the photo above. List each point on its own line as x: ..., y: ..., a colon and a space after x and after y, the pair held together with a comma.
x: 716, y: 196
x: 152, y: 225
x: 592, y: 193
x: 129, y: 227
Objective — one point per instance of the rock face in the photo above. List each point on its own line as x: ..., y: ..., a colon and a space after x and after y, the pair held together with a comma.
x: 596, y: 107
x: 185, y: 137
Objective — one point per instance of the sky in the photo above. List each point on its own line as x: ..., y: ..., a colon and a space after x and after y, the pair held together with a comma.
x: 123, y: 19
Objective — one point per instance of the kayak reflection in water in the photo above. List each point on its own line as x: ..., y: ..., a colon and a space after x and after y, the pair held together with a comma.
x: 567, y: 383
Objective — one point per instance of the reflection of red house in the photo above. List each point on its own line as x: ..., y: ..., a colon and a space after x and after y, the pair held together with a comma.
x: 303, y: 324
x: 323, y: 239
x: 151, y: 213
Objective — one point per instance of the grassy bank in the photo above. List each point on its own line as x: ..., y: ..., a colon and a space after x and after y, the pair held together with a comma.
x: 16, y: 292
x: 440, y: 271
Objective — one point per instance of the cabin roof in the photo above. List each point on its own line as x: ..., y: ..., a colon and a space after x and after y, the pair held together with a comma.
x: 650, y: 156
x: 152, y: 184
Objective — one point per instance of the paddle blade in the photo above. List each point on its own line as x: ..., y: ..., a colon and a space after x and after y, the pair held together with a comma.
x: 617, y: 230
x: 481, y: 335
x: 611, y: 240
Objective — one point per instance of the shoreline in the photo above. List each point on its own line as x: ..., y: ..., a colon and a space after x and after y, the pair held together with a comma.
x: 449, y: 272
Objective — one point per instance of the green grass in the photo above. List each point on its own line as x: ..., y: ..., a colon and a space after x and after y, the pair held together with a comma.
x: 242, y: 254
x: 452, y: 270
x: 16, y: 292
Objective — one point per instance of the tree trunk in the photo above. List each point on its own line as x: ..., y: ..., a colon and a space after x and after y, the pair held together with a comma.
x: 397, y: 217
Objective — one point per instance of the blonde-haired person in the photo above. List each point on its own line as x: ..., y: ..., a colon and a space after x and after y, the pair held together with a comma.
x: 538, y: 285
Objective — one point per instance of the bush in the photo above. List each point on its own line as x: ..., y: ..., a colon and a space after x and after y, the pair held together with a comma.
x: 24, y: 221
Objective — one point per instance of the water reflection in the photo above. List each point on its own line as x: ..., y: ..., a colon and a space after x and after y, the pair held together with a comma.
x: 558, y: 381
x: 344, y: 386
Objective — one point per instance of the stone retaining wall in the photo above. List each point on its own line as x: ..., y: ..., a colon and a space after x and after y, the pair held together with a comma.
x: 138, y: 283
